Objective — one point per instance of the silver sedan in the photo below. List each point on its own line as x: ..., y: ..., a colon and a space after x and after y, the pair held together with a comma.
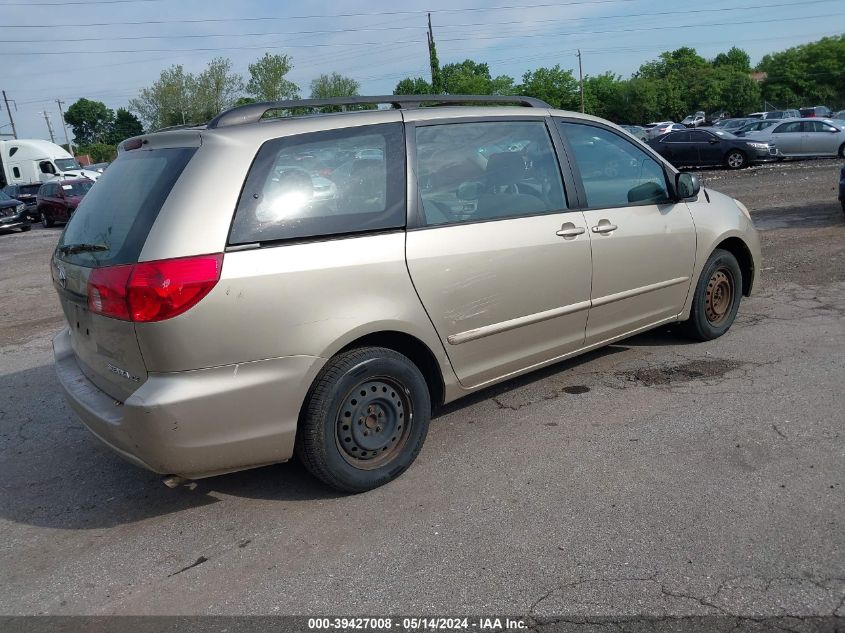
x: 805, y: 137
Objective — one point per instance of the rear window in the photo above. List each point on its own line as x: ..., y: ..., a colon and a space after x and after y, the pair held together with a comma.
x: 120, y: 211
x: 324, y: 183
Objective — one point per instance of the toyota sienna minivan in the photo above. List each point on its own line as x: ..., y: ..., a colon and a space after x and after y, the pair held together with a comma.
x: 227, y: 308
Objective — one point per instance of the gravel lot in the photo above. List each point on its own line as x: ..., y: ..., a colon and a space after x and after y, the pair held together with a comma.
x: 652, y: 478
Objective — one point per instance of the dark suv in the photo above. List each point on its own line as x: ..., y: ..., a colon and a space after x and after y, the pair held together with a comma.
x: 26, y: 194
x: 58, y: 199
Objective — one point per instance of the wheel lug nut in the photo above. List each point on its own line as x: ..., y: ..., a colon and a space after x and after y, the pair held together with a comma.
x: 366, y: 432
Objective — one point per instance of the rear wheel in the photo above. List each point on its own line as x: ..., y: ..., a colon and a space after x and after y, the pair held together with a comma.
x: 735, y: 159
x: 365, y: 419
x: 46, y: 220
x: 717, y: 296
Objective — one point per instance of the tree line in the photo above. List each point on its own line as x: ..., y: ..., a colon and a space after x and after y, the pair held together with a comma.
x: 675, y: 84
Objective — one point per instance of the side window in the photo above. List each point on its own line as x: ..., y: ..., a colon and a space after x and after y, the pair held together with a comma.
x: 676, y: 137
x: 468, y: 172
x: 794, y: 126
x: 614, y: 172
x: 700, y: 137
x: 17, y: 172
x: 324, y: 183
x: 47, y: 167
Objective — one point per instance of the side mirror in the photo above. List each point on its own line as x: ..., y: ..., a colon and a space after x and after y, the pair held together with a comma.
x: 687, y: 186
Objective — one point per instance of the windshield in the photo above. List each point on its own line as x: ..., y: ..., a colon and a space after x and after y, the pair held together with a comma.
x: 67, y: 163
x: 72, y: 189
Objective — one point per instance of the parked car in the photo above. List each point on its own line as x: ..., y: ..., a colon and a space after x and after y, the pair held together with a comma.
x: 782, y: 114
x: 694, y: 120
x: 817, y: 111
x: 13, y: 214
x: 804, y: 137
x: 58, y: 199
x: 26, y: 194
x: 636, y: 131
x: 695, y: 148
x: 756, y: 115
x: 663, y: 128
x: 838, y: 116
x: 729, y: 125
x: 754, y: 125
x: 219, y: 320
x: 716, y: 116
x: 98, y: 167
x: 842, y: 187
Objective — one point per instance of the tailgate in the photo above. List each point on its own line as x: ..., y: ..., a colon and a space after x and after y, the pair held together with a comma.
x: 106, y: 349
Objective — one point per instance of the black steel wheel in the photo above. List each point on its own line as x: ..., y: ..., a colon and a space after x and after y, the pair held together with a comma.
x: 365, y: 419
x: 717, y: 296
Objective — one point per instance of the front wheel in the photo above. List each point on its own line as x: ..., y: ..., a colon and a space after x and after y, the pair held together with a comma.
x: 717, y: 296
x: 365, y: 419
x: 46, y: 220
x: 735, y: 159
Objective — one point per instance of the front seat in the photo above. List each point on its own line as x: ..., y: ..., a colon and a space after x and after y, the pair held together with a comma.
x: 501, y: 196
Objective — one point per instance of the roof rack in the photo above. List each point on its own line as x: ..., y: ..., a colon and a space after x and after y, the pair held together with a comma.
x: 252, y: 112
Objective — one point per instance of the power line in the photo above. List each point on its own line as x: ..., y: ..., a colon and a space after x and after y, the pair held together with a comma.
x: 414, y: 28
x: 62, y: 4
x: 458, y: 39
x: 310, y: 17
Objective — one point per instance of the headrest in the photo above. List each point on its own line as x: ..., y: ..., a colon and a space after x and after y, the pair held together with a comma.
x: 505, y: 168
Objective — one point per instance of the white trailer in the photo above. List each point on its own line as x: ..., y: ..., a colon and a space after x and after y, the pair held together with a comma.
x: 23, y: 161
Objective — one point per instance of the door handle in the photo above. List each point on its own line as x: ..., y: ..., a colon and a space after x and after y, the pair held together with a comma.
x: 570, y: 230
x: 604, y: 227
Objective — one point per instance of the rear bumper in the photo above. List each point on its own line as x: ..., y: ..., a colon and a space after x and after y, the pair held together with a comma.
x: 196, y: 423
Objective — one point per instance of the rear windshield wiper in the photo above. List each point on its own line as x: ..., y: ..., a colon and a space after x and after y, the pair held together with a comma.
x: 70, y: 249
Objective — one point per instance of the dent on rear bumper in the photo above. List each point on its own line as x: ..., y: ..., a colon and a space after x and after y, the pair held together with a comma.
x: 196, y: 423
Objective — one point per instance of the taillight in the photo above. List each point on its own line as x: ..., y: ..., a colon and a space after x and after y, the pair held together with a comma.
x: 152, y: 291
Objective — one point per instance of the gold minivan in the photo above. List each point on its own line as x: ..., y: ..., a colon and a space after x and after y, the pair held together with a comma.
x: 254, y: 288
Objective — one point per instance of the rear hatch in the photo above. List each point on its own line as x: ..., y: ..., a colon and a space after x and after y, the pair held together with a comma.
x: 108, y: 231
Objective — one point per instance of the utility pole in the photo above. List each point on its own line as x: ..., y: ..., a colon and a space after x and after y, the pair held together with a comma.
x: 49, y: 126
x: 9, y: 110
x: 430, y: 35
x: 64, y: 126
x: 581, y: 79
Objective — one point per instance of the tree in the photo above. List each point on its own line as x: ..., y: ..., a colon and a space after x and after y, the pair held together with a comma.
x: 169, y: 101
x: 811, y: 74
x: 415, y: 86
x: 555, y: 86
x: 91, y: 121
x: 333, y: 85
x: 437, y: 86
x: 735, y: 58
x: 99, y: 152
x: 601, y: 96
x: 267, y: 80
x: 217, y: 87
x: 467, y: 77
x: 126, y: 125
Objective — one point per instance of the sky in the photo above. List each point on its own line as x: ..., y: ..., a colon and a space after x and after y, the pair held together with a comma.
x: 108, y: 50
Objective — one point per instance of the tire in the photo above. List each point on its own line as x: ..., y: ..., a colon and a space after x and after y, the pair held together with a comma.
x: 735, y: 159
x: 24, y: 229
x: 717, y: 297
x: 386, y: 426
x: 46, y: 220
x: 842, y: 151
x: 843, y: 206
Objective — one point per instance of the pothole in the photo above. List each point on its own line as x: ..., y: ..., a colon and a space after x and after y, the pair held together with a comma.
x: 684, y: 372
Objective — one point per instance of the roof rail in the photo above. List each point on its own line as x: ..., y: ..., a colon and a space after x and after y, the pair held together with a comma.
x: 252, y: 112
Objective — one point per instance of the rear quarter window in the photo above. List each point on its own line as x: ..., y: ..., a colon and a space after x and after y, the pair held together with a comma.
x: 120, y: 209
x: 335, y: 182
